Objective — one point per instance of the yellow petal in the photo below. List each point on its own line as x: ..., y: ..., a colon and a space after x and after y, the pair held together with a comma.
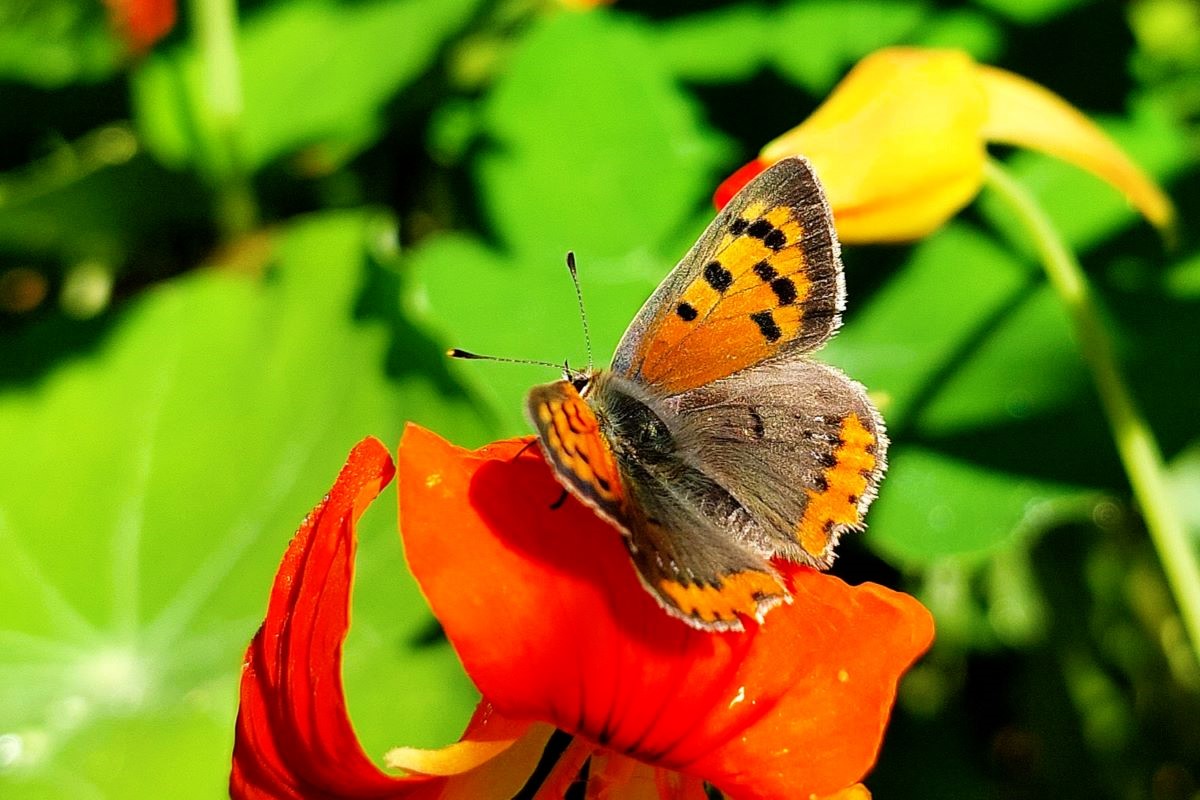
x: 1025, y: 114
x: 855, y: 792
x: 480, y: 768
x: 897, y: 144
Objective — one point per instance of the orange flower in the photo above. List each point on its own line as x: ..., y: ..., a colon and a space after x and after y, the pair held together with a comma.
x: 549, y: 620
x: 900, y: 144
x: 142, y: 22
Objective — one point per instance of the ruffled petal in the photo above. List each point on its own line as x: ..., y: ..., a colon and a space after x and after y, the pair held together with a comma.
x: 549, y: 619
x: 294, y: 738
x: 896, y: 144
x: 900, y: 143
x: 1022, y: 113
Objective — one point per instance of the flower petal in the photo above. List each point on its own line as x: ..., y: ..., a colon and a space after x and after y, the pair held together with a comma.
x: 549, y: 619
x: 734, y: 183
x: 294, y: 737
x: 896, y: 144
x: 1025, y: 114
x: 142, y: 22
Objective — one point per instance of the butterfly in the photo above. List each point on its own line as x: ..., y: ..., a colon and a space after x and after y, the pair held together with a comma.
x: 714, y: 443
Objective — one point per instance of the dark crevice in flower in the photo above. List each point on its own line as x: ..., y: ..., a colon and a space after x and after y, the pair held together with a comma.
x: 559, y: 741
x: 712, y: 792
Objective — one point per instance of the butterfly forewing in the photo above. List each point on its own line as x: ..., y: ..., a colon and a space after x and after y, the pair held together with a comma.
x: 582, y: 458
x: 764, y: 281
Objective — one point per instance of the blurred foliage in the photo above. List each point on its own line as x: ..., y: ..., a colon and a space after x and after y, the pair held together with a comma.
x: 210, y: 288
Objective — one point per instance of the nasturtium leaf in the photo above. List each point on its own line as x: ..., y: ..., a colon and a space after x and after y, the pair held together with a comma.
x: 933, y: 505
x: 98, y: 200
x: 963, y: 29
x: 1031, y: 11
x: 810, y: 43
x: 591, y: 144
x: 52, y: 43
x: 717, y: 46
x: 1182, y: 280
x: 148, y: 493
x: 916, y: 330
x: 814, y: 43
x: 1027, y: 365
x: 303, y: 79
x: 472, y: 297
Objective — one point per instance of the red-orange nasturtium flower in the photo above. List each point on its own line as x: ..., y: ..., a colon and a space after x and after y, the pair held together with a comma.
x: 141, y: 22
x: 549, y: 620
x: 900, y: 143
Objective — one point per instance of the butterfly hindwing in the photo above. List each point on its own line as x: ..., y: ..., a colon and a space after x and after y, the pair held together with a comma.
x: 763, y: 281
x: 796, y: 443
x: 692, y: 567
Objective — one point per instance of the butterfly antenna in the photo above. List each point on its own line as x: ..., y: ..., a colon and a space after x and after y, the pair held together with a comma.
x: 587, y: 334
x: 454, y: 352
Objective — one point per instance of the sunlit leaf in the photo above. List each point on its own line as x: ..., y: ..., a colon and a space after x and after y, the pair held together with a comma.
x: 181, y: 456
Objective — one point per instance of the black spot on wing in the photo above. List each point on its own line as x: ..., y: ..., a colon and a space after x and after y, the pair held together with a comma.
x: 767, y: 326
x: 738, y: 226
x: 775, y: 239
x: 760, y: 228
x: 785, y: 290
x: 765, y: 271
x: 686, y: 312
x: 717, y: 276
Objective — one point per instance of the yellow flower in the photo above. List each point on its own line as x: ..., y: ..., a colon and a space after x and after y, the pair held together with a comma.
x: 900, y: 144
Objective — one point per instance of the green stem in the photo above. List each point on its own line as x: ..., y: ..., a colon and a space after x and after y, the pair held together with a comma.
x: 215, y: 25
x: 1136, y: 445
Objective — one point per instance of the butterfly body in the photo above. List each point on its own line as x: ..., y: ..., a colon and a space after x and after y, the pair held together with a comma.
x: 715, y: 444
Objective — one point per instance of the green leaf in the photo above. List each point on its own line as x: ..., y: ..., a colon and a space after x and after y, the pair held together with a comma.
x: 914, y: 332
x: 592, y: 146
x: 151, y: 490
x: 811, y: 43
x: 1026, y: 366
x: 964, y: 29
x: 97, y: 199
x: 1031, y: 11
x: 814, y: 43
x: 303, y: 79
x: 52, y: 43
x: 932, y: 506
x: 725, y: 44
x: 627, y: 189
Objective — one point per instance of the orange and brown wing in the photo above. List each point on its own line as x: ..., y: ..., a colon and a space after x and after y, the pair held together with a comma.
x: 570, y: 437
x: 688, y: 563
x: 797, y: 444
x: 765, y: 280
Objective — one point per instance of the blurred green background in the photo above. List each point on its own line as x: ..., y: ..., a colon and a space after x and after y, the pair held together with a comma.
x: 226, y: 257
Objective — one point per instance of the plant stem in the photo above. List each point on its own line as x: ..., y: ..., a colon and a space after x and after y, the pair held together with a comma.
x: 1135, y: 442
x: 214, y: 27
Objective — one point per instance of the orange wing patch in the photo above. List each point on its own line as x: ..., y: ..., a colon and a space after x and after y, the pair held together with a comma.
x: 746, y: 593
x: 743, y: 306
x: 836, y: 502
x: 571, y: 435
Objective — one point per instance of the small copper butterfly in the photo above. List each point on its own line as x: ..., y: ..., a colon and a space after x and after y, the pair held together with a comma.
x: 714, y: 443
